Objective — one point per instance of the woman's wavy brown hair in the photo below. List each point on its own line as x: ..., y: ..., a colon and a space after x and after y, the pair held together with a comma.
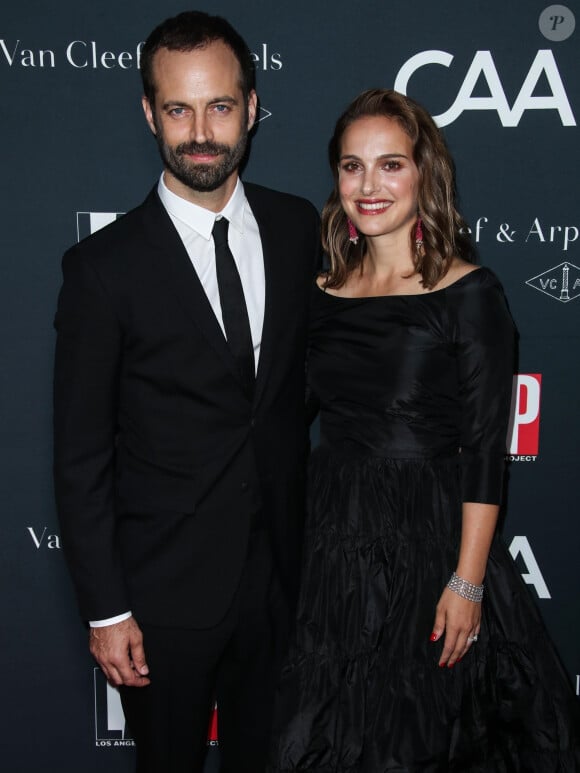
x: 444, y: 230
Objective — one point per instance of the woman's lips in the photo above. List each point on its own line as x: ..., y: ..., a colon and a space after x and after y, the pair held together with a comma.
x: 372, y: 207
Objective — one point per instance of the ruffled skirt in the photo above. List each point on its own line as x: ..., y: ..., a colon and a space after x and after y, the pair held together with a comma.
x: 361, y: 691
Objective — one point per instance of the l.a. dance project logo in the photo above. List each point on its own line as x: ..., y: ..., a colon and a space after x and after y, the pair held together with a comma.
x: 90, y: 222
x: 561, y: 282
x: 110, y: 726
x: 524, y: 430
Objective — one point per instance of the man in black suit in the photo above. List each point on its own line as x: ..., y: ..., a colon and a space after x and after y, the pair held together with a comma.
x: 180, y: 432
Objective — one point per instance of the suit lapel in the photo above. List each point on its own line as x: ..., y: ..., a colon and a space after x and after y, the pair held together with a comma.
x: 271, y: 240
x: 174, y: 268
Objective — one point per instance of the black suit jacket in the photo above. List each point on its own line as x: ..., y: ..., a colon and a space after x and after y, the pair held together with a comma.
x: 161, y: 459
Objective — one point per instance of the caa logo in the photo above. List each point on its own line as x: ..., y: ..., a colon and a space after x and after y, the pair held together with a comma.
x: 522, y: 553
x: 110, y: 726
x: 483, y: 67
x: 524, y: 430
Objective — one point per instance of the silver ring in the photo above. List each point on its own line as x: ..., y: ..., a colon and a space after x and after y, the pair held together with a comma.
x: 471, y: 639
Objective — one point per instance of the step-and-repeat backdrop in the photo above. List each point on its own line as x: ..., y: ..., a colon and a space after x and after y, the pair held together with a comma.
x: 502, y: 79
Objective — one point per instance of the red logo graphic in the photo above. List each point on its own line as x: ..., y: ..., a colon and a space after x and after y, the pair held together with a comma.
x: 524, y: 433
x: 212, y: 731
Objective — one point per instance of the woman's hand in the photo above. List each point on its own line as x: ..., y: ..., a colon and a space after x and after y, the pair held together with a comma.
x: 459, y: 619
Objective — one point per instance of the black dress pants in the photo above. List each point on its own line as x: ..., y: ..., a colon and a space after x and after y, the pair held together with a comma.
x: 237, y: 663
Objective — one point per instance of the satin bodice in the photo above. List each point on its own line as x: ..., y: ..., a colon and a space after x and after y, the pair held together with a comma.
x: 418, y: 376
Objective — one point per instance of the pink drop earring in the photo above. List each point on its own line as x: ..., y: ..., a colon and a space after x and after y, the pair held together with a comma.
x: 419, y: 234
x: 352, y: 232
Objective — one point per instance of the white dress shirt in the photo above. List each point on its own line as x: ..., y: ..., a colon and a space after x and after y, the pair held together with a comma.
x: 194, y: 225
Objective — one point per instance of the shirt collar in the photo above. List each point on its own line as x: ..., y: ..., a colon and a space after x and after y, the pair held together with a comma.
x: 199, y: 218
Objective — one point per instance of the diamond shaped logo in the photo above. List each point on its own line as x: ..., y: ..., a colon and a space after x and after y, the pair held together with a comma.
x: 561, y: 282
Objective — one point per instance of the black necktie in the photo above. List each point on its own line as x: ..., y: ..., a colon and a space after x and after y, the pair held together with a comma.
x: 233, y: 303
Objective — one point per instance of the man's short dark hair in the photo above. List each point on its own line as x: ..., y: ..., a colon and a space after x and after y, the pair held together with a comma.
x: 190, y: 30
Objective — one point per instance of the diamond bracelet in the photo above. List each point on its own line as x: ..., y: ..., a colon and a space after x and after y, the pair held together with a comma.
x: 466, y: 590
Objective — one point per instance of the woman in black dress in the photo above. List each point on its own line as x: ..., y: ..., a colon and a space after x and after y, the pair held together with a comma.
x: 401, y: 660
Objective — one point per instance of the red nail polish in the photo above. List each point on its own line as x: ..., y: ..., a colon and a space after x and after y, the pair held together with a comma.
x: 450, y: 665
x: 441, y: 665
x: 433, y: 636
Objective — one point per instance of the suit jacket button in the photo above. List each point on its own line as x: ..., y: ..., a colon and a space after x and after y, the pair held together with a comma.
x: 245, y: 486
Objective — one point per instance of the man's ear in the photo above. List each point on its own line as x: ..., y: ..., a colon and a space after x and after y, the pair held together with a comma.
x: 148, y: 110
x: 252, y: 108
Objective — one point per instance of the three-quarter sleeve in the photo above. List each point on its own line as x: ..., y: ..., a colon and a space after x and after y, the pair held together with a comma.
x: 485, y: 345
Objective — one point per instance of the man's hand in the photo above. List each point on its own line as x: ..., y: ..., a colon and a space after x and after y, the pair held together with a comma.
x: 118, y: 649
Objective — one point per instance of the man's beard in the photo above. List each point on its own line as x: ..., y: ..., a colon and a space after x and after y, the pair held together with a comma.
x: 202, y: 177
